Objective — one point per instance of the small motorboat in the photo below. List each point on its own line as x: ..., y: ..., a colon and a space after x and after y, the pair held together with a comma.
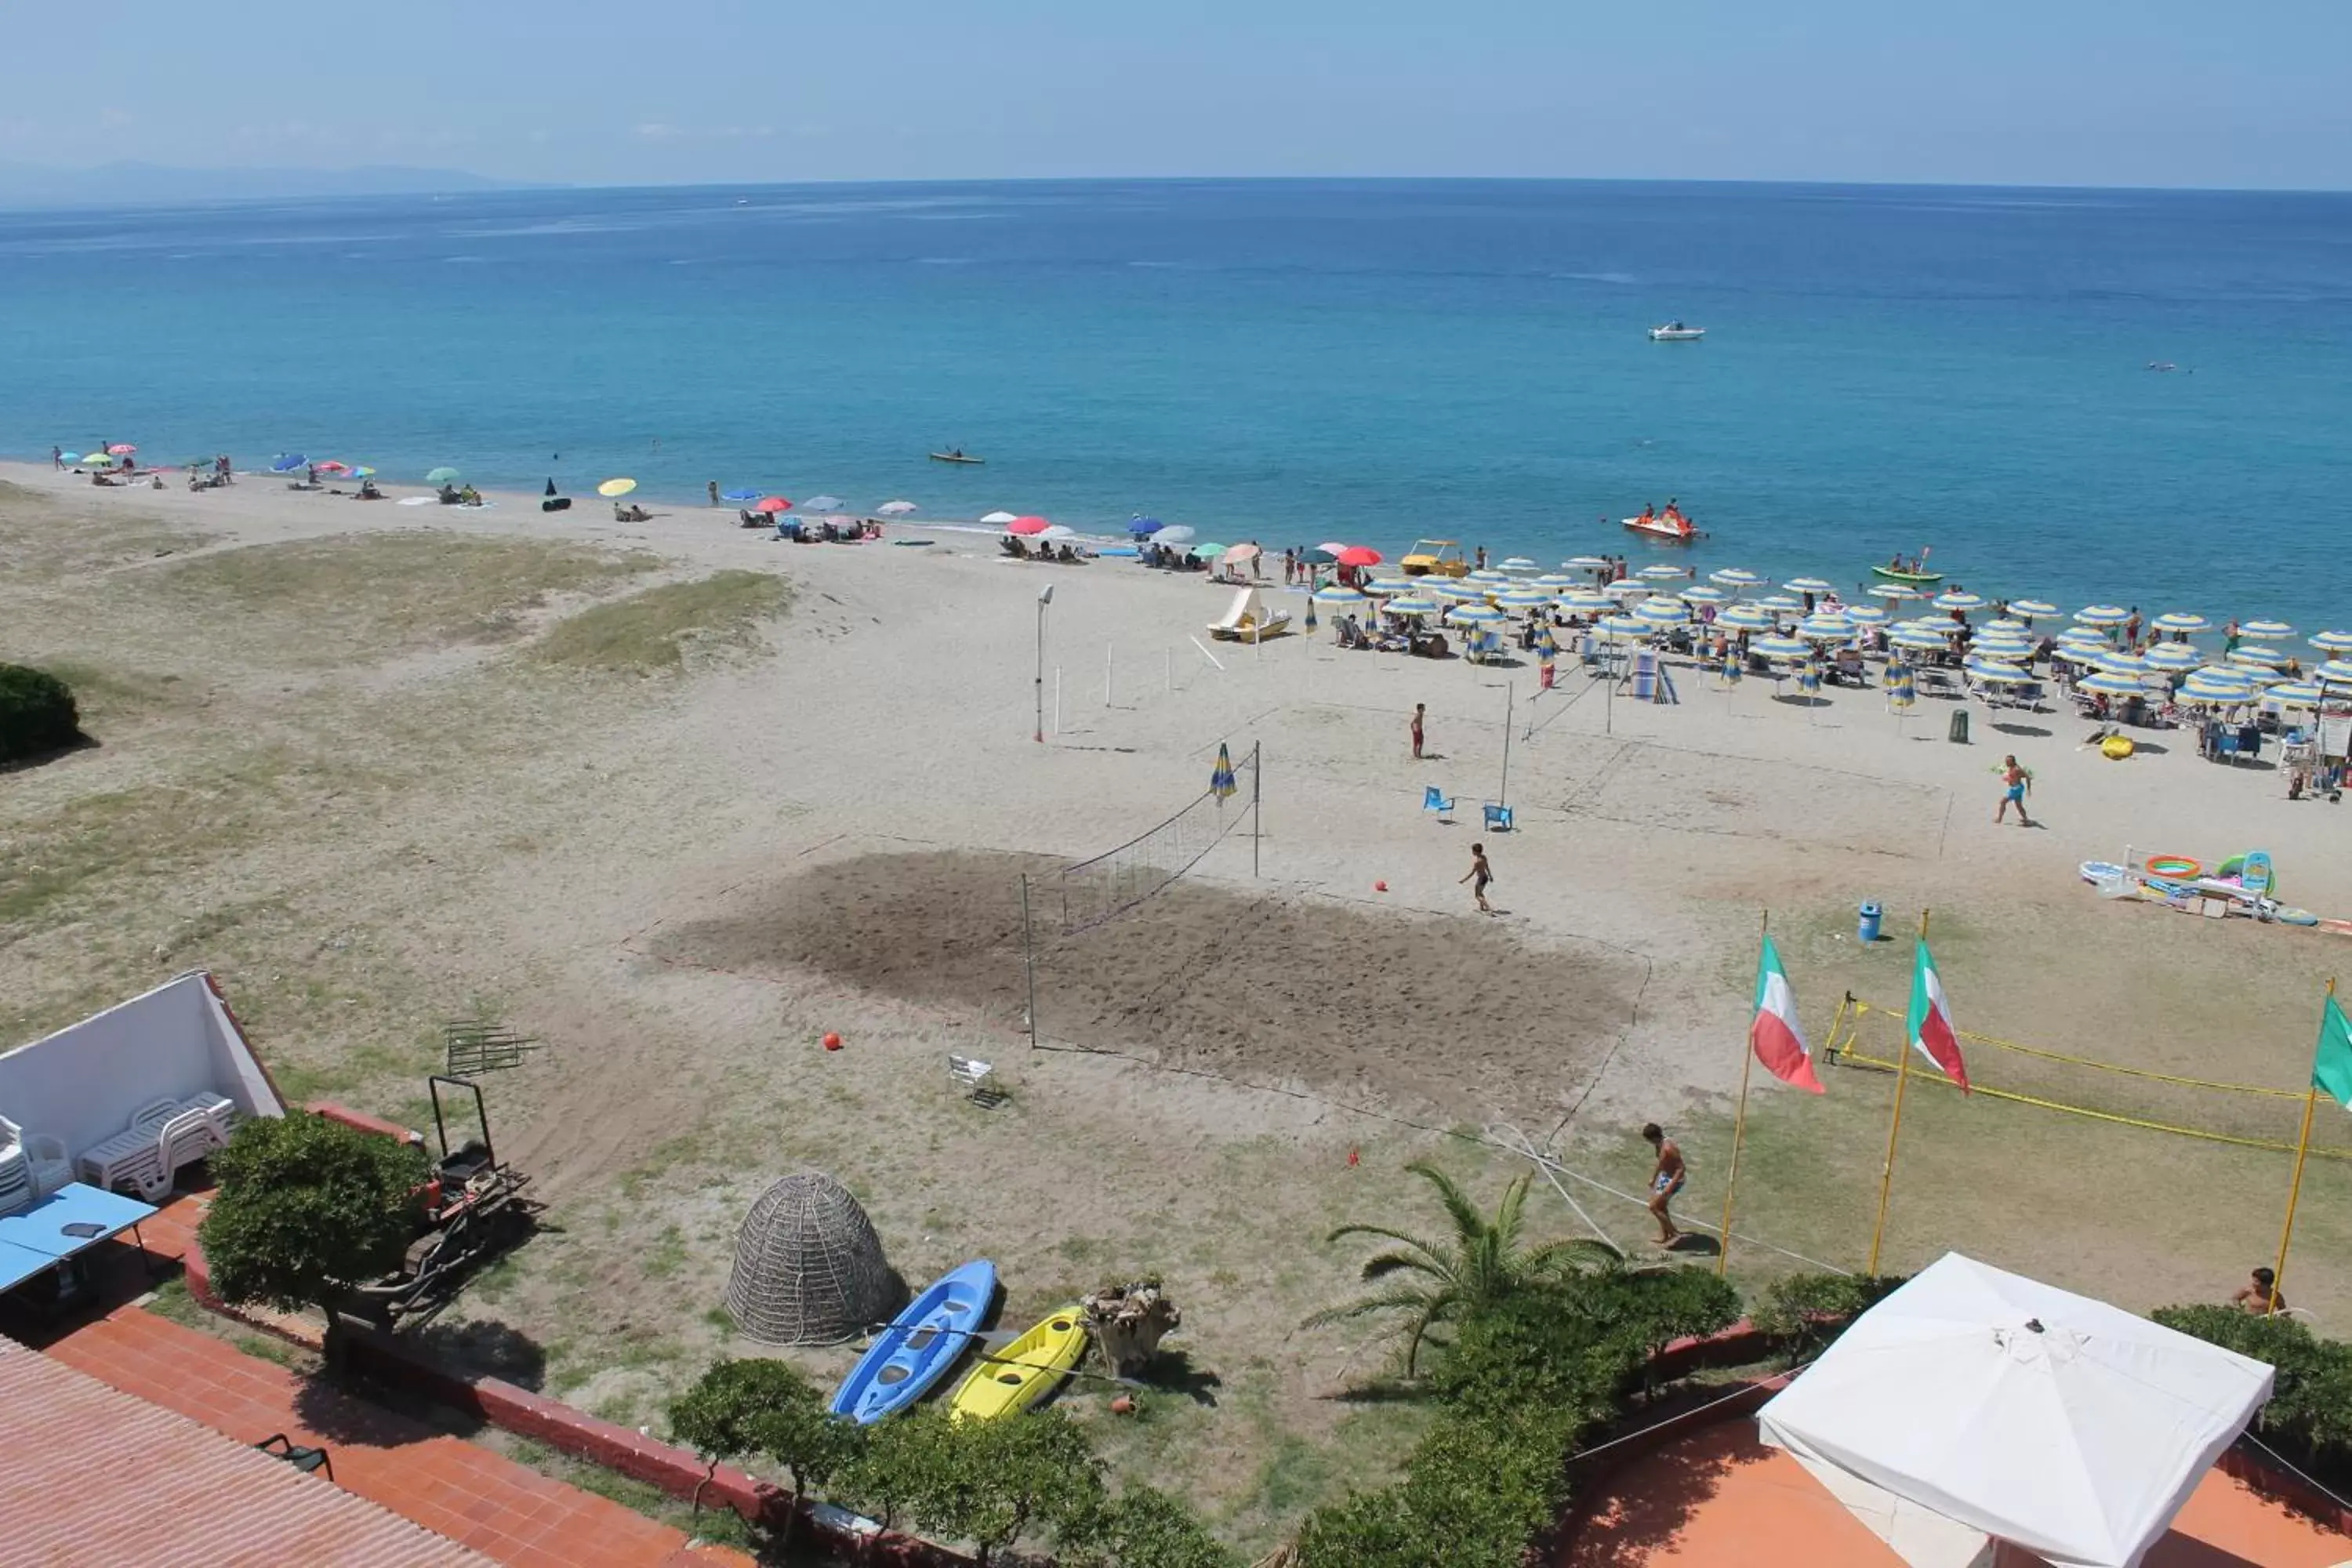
x: 1675, y: 333
x: 955, y: 457
x: 1899, y: 574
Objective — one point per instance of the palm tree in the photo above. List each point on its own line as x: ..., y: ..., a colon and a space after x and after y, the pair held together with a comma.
x: 1482, y: 1263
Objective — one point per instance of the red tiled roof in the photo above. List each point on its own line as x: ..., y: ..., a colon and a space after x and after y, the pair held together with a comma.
x: 91, y: 1475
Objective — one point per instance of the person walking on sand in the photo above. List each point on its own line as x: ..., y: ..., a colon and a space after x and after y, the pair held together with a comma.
x: 2262, y: 1298
x: 1419, y: 710
x: 1665, y: 1180
x: 1479, y: 875
x: 2015, y: 780
x: 714, y: 492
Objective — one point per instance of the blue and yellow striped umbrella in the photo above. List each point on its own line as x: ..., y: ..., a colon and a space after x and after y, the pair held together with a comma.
x: 1221, y: 777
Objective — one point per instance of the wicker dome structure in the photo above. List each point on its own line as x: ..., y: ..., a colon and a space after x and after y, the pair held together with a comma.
x: 809, y: 1270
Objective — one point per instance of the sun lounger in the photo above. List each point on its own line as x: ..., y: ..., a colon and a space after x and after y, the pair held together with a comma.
x: 163, y: 1135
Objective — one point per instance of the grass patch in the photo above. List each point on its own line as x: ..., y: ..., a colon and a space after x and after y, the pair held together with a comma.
x: 651, y: 632
x: 363, y: 594
x: 106, y: 693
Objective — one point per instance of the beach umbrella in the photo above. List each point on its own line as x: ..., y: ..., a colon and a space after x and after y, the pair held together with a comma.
x: 287, y: 462
x: 2248, y: 653
x: 1475, y: 614
x: 2103, y: 615
x: 1491, y: 578
x: 1585, y: 602
x: 122, y: 449
x: 1212, y: 551
x: 2293, y: 694
x: 332, y: 467
x: 890, y: 508
x: 1411, y: 605
x: 1522, y: 599
x: 1059, y: 531
x: 1808, y: 586
x: 2006, y: 624
x: 1624, y: 628
x: 1555, y: 583
x: 1779, y: 648
x: 1734, y: 577
x: 1662, y: 610
x: 2333, y: 642
x: 1458, y: 591
x: 1912, y: 637
x: 1241, y: 552
x: 2083, y: 636
x: 1747, y: 618
x: 1138, y: 526
x: 1317, y: 556
x: 2032, y: 609
x: 1387, y: 585
x: 2173, y: 658
x: 1000, y: 518
x: 437, y: 477
x: 2015, y: 651
x: 1178, y: 534
x: 1626, y: 588
x: 2266, y: 629
x: 772, y: 505
x: 1865, y: 615
x: 1026, y: 525
x: 738, y: 495
x: 1660, y: 571
x: 1959, y: 599
x: 2334, y: 672
x: 823, y: 503
x: 1997, y: 674
x: 1891, y: 592
x: 2180, y: 621
x: 616, y: 487
x: 1587, y: 564
x: 1221, y: 777
x: 362, y: 472
x: 1700, y: 593
x: 1825, y: 628
x: 1336, y: 597
x: 2107, y: 685
x: 1518, y: 563
x: 2209, y: 687
x: 69, y: 457
x: 1779, y: 604
x: 1356, y: 555
x: 2117, y: 663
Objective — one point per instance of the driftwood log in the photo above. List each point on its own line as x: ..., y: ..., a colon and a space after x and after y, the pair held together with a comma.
x: 1128, y: 1321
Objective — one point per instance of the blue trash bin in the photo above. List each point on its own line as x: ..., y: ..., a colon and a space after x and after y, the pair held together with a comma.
x: 1867, y: 931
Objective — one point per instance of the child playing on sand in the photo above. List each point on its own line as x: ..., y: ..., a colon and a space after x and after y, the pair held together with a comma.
x: 2015, y: 780
x: 1479, y: 875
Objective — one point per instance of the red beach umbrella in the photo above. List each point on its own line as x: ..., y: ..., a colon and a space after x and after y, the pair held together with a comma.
x: 122, y: 449
x: 334, y: 466
x: 772, y: 504
x: 1358, y: 555
x: 1027, y: 525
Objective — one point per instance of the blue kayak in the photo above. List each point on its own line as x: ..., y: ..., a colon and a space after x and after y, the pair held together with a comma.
x: 920, y: 1346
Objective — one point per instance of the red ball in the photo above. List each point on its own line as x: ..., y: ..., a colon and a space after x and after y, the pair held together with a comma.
x: 833, y: 1042
x: 1380, y: 887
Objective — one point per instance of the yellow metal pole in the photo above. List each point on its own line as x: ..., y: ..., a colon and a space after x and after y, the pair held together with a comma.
x: 1739, y: 1120
x: 2294, y: 1191
x: 1894, y: 1127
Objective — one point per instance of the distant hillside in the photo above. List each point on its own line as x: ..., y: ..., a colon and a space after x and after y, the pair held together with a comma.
x: 32, y: 184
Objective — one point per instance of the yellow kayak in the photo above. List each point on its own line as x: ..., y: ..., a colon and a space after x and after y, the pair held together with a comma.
x: 1023, y: 1372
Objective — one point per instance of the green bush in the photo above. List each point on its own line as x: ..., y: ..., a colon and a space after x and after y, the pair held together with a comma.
x: 2310, y: 1410
x: 1527, y: 1377
x: 737, y: 1409
x: 1141, y: 1528
x: 1808, y: 1311
x: 36, y: 713
x: 308, y: 1208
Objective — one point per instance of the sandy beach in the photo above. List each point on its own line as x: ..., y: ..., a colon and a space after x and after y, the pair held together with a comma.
x: 367, y: 762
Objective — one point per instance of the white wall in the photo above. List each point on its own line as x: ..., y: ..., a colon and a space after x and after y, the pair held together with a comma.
x: 82, y: 1084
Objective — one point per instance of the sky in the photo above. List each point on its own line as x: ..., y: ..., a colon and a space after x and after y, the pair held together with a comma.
x: 2096, y: 92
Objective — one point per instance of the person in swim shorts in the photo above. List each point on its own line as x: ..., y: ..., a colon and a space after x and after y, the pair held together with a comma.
x: 1478, y: 875
x: 1665, y: 1181
x: 2015, y: 780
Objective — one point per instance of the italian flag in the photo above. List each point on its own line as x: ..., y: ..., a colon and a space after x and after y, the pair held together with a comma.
x: 1930, y: 1023
x: 1773, y: 1034
x: 2331, y: 1067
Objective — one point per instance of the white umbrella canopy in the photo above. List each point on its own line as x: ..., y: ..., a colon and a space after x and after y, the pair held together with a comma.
x: 1179, y: 534
x: 1518, y: 563
x: 896, y: 509
x: 1974, y: 1400
x: 1000, y: 518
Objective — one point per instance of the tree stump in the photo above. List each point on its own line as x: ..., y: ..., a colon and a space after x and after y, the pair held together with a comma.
x: 1129, y: 1321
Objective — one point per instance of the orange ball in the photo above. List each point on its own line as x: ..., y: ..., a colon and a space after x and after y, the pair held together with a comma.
x: 833, y: 1042
x: 1123, y: 1405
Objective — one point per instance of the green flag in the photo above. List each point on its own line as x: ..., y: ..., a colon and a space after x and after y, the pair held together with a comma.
x: 2331, y: 1069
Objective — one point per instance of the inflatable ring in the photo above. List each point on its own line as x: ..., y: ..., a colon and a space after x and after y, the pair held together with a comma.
x: 2174, y: 867
x: 2115, y: 748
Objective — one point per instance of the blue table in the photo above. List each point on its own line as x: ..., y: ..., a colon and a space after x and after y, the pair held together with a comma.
x: 54, y: 1233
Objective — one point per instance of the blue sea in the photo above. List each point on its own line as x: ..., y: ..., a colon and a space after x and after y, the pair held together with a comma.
x: 1885, y: 368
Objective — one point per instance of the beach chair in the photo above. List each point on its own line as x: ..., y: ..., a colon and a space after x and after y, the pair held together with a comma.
x: 308, y: 1460
x: 1436, y: 800
x: 977, y: 1079
x: 41, y: 1159
x: 1498, y: 818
